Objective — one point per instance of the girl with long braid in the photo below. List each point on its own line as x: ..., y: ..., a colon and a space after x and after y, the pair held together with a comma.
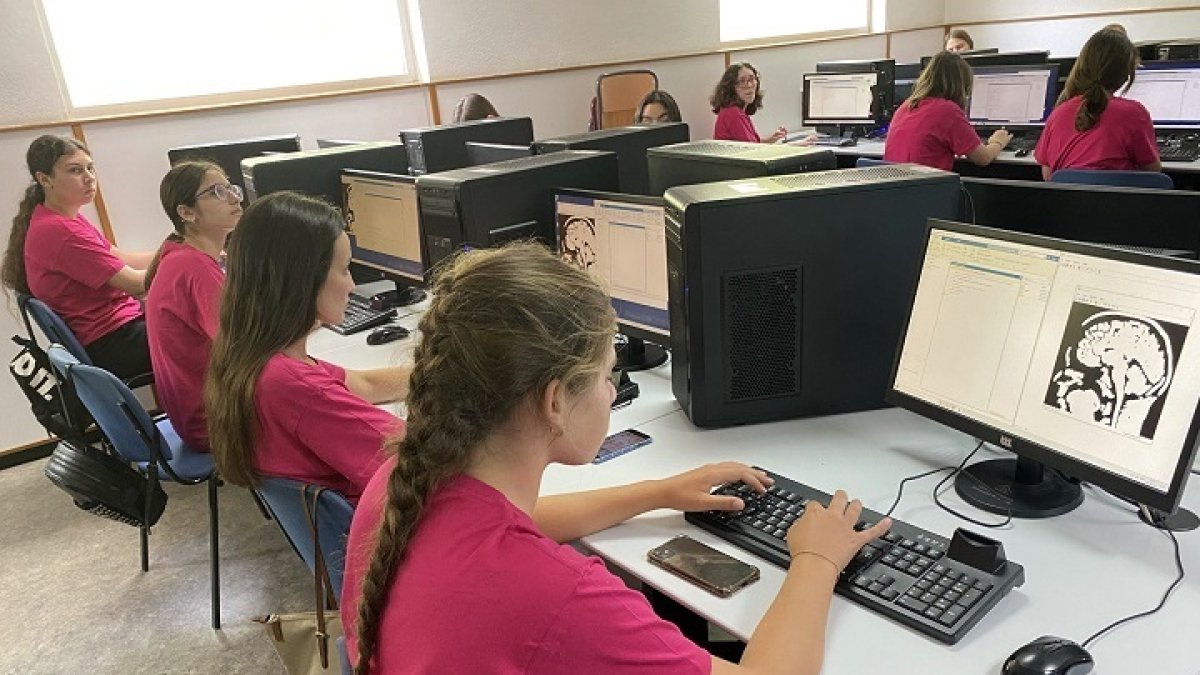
x: 455, y: 564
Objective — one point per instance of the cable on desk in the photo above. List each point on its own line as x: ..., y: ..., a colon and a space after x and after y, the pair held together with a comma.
x: 937, y: 490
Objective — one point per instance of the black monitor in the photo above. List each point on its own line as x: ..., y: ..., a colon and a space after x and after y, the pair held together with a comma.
x: 977, y: 52
x: 906, y: 77
x: 1065, y: 65
x: 860, y: 92
x: 1077, y: 358
x: 1029, y: 58
x: 630, y: 143
x: 384, y: 223
x: 479, y: 154
x: 481, y: 207
x: 1012, y: 96
x: 442, y: 148
x: 713, y: 161
x: 787, y: 293
x: 229, y: 154
x: 1101, y: 214
x: 1170, y: 90
x: 318, y: 173
x: 621, y: 240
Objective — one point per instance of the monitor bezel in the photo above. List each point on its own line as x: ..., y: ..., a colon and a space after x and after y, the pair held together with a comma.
x: 808, y: 120
x: 1022, y: 447
x: 390, y: 272
x: 1047, y: 107
x: 662, y: 339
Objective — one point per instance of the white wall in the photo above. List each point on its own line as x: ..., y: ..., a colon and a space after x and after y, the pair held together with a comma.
x: 902, y: 14
x: 29, y: 90
x: 1064, y: 37
x: 974, y: 10
x: 910, y: 46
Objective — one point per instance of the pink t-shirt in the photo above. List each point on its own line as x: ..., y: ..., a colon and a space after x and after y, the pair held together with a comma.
x: 312, y: 428
x: 1122, y: 139
x: 182, y: 316
x: 68, y: 265
x: 733, y: 124
x: 481, y: 590
x: 931, y: 135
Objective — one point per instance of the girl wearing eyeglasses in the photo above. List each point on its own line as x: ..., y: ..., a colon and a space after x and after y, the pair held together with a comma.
x: 58, y: 256
x: 736, y: 97
x: 184, y: 283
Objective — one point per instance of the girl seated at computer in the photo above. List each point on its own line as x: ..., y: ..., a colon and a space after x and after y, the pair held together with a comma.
x: 455, y: 564
x: 58, y: 256
x: 658, y: 107
x: 184, y: 289
x: 959, y: 40
x: 272, y: 409
x: 931, y: 126
x: 737, y: 96
x: 1091, y: 127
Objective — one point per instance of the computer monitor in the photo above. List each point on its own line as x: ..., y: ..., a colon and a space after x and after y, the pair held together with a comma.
x: 443, y: 148
x: 713, y: 161
x: 384, y: 223
x: 630, y: 143
x: 1012, y: 96
x: 484, y: 206
x: 1078, y: 358
x: 787, y: 293
x: 1100, y: 214
x: 621, y: 240
x: 229, y: 154
x: 981, y: 50
x: 318, y: 173
x: 906, y: 77
x: 479, y: 154
x: 1170, y: 90
x: 839, y: 98
x: 1065, y: 65
x: 1029, y: 58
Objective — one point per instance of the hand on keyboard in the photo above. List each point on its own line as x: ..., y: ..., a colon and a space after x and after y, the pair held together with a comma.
x: 692, y: 490
x: 832, y: 532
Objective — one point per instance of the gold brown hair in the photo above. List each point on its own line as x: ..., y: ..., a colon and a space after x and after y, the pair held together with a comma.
x: 947, y: 76
x: 178, y: 188
x: 1107, y: 61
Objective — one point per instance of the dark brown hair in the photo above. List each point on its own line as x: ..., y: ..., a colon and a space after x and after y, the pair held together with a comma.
x: 41, y: 156
x: 279, y: 258
x: 665, y: 100
x: 959, y: 34
x: 178, y: 188
x: 473, y: 107
x: 947, y: 76
x: 503, y: 324
x: 1107, y: 61
x: 725, y: 93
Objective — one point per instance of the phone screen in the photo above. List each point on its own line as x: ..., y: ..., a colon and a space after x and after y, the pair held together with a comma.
x: 620, y: 443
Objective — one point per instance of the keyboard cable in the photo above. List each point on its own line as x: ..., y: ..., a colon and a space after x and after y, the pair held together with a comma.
x: 954, y: 470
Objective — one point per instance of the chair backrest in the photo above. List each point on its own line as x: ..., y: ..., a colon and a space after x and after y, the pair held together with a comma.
x: 52, y: 326
x: 113, y: 406
x: 618, y: 95
x: 1141, y: 179
x: 333, y: 515
x: 865, y: 162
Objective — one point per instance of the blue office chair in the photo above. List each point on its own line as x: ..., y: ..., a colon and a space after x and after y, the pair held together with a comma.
x: 58, y: 332
x: 344, y: 656
x: 1139, y: 179
x: 284, y: 497
x: 866, y: 162
x: 152, y: 446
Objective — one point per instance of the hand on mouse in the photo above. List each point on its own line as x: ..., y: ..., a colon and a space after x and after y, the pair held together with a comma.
x: 827, y: 532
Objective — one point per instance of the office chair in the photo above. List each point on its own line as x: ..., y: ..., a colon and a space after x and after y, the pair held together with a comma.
x: 150, y: 445
x: 1139, y: 179
x: 866, y: 162
x: 284, y: 497
x: 344, y: 655
x: 618, y: 95
x: 58, y: 332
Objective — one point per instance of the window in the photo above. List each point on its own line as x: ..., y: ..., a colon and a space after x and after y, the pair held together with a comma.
x: 132, y: 51
x: 743, y: 20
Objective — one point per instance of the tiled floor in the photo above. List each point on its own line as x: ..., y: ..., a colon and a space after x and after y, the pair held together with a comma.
x: 76, y: 601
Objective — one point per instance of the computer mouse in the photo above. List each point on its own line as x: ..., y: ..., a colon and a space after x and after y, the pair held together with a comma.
x: 1021, y: 152
x: 1049, y: 655
x: 386, y: 334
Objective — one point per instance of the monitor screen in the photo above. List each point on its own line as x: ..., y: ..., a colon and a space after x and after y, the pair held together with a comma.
x: 1170, y: 91
x: 621, y: 240
x: 384, y: 222
x: 1012, y: 95
x: 838, y: 98
x: 1080, y: 356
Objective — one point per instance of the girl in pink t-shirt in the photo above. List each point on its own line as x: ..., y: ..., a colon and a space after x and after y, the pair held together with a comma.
x: 184, y: 288
x: 272, y: 409
x: 455, y: 564
x: 931, y: 127
x: 736, y: 97
x: 1091, y: 128
x: 56, y: 255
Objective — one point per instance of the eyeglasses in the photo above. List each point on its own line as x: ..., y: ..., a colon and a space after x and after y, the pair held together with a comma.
x: 222, y: 191
x: 747, y: 81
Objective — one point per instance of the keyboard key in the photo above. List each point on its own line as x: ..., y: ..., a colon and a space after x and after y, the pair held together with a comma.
x: 889, y: 593
x: 886, y: 580
x: 969, y: 598
x: 950, y: 616
x: 875, y: 587
x: 912, y: 603
x: 932, y: 613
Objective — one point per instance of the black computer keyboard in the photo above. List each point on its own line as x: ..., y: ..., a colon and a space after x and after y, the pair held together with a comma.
x: 1173, y: 150
x: 1022, y: 143
x: 359, y: 316
x: 835, y: 141
x: 905, y: 575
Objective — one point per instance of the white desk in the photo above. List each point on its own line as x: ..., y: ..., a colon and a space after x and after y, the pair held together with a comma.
x: 1083, y: 570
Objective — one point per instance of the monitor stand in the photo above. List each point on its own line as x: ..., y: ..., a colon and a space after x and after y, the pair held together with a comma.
x: 637, y: 354
x: 1179, y: 520
x: 1027, y: 489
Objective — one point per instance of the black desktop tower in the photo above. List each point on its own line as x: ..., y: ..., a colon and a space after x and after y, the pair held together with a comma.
x: 481, y: 207
x: 713, y: 161
x: 630, y: 143
x: 443, y: 148
x: 787, y: 297
x: 318, y: 173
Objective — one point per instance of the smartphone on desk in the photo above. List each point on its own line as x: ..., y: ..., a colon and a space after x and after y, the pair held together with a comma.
x: 718, y: 573
x: 619, y: 444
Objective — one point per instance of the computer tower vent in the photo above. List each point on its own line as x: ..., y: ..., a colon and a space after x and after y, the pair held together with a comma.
x: 847, y: 176
x: 759, y: 317
x: 709, y: 148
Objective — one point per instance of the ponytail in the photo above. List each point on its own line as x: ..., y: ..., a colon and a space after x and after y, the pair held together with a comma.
x: 12, y: 272
x: 1107, y: 62
x: 153, y: 268
x: 1095, y: 100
